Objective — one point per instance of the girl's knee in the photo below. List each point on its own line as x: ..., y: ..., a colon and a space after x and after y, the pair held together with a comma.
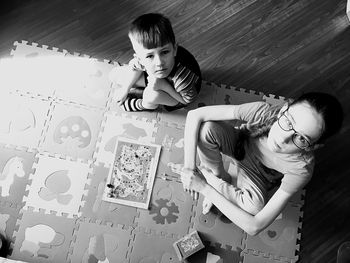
x: 249, y: 203
x: 208, y: 132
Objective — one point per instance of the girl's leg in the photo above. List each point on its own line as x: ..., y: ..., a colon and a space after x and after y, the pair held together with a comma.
x: 216, y: 137
x: 220, y: 137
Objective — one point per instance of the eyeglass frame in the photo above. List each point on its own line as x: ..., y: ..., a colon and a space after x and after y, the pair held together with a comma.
x: 292, y: 129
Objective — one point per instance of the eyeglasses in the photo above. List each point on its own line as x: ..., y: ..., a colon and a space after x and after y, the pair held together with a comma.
x: 285, y: 124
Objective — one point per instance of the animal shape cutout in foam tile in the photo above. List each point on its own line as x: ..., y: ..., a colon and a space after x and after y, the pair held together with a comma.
x: 8, y: 219
x: 15, y: 167
x: 73, y: 131
x: 22, y: 120
x: 42, y: 237
x: 115, y: 126
x: 100, y: 243
x: 57, y: 185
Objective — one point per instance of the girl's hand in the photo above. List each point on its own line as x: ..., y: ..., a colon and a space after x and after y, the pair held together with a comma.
x: 193, y: 181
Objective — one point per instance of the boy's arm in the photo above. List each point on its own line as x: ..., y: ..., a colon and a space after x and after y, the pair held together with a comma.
x: 164, y: 85
x: 123, y: 78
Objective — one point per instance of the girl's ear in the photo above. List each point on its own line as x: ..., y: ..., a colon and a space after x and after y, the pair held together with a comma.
x: 314, y: 147
x: 284, y: 108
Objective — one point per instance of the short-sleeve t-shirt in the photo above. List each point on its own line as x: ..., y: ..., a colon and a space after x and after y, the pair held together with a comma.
x: 264, y: 166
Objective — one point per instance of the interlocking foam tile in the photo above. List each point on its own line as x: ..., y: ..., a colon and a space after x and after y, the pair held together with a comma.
x: 42, y: 237
x: 8, y: 217
x: 216, y: 253
x: 22, y: 120
x: 38, y: 67
x: 298, y: 198
x: 206, y: 96
x: 272, y: 99
x: 57, y: 185
x: 30, y: 50
x: 259, y: 259
x: 170, y: 209
x: 85, y: 81
x: 115, y: 125
x: 152, y: 247
x: 175, y: 118
x: 97, y: 209
x: 94, y: 242
x: 214, y: 227
x: 231, y: 95
x: 15, y: 167
x: 73, y: 131
x: 172, y: 141
x: 277, y: 239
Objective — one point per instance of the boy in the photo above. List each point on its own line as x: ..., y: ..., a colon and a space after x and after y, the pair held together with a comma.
x: 167, y: 73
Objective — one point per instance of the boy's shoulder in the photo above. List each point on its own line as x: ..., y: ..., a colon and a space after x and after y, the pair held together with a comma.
x: 186, y: 59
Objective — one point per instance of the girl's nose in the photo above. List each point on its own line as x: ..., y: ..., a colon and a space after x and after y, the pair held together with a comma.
x: 286, y: 136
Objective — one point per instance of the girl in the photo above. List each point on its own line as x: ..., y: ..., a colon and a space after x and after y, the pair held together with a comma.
x: 273, y: 147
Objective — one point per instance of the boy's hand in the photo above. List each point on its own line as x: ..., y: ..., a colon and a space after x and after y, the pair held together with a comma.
x: 156, y: 83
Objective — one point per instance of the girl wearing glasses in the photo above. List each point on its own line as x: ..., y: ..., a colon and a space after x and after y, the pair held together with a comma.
x: 273, y: 147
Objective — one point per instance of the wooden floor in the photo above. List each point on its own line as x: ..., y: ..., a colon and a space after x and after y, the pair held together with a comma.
x: 282, y: 47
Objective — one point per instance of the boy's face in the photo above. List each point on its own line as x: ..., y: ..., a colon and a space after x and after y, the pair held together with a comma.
x: 158, y: 62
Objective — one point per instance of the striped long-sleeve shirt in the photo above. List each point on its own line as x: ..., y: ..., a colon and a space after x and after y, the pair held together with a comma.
x: 185, y: 77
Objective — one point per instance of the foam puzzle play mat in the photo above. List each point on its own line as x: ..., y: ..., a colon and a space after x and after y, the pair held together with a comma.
x: 58, y: 133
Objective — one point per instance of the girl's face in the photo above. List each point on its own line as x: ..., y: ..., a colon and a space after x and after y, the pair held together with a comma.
x: 158, y: 62
x: 301, y: 119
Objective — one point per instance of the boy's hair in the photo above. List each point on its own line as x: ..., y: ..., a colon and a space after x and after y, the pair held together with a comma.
x: 152, y: 30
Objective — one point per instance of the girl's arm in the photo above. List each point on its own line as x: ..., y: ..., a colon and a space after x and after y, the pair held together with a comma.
x: 253, y: 225
x: 193, y: 123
